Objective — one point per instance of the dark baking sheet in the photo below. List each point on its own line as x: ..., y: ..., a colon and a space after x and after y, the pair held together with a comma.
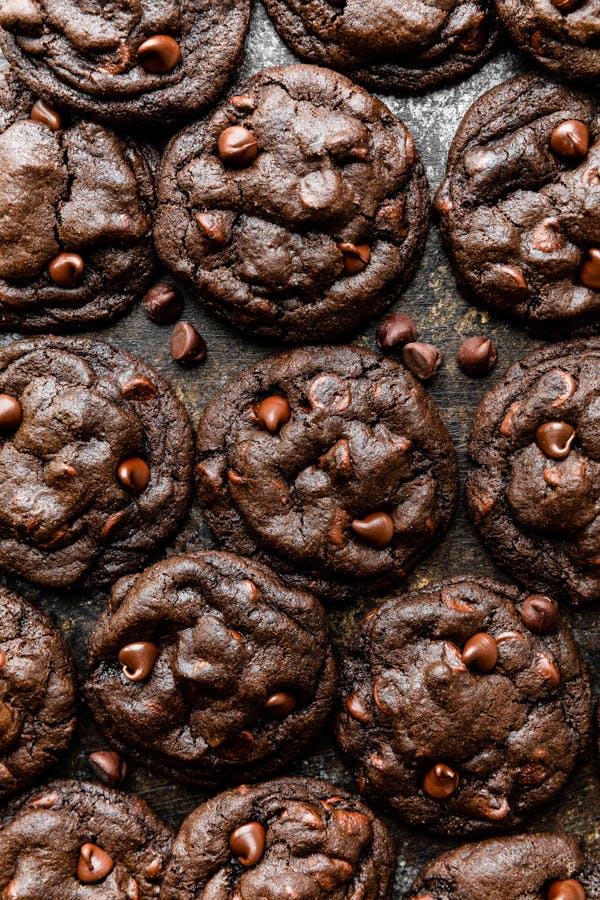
x: 443, y: 317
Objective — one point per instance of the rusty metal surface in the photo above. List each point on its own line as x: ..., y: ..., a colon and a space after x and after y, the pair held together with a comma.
x: 443, y: 317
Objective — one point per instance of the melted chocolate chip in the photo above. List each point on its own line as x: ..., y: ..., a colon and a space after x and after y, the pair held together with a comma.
x: 247, y: 843
x: 94, y: 864
x: 237, y: 146
x: 355, y: 257
x: 376, y: 529
x: 480, y: 652
x: 42, y: 112
x: 11, y: 413
x: 159, y: 54
x: 590, y: 270
x: 187, y: 345
x: 273, y: 412
x: 280, y: 705
x: 555, y: 439
x: 134, y: 474
x: 212, y: 228
x: 66, y: 269
x: 138, y: 660
x: 540, y: 614
x: 440, y: 782
x: 139, y: 389
x: 570, y: 139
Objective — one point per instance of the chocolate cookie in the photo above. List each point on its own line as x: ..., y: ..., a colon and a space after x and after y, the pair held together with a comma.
x: 298, y: 210
x: 392, y: 45
x: 464, y: 706
x: 532, y: 866
x: 533, y: 488
x: 37, y: 693
x: 122, y: 61
x: 561, y: 35
x: 520, y: 204
x: 15, y: 99
x: 295, y: 837
x: 72, y: 840
x: 95, y: 461
x: 330, y: 463
x: 208, y: 667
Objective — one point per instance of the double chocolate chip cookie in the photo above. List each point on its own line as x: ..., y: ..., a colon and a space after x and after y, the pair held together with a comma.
x: 464, y: 706
x: 391, y: 45
x: 125, y: 60
x: 73, y: 840
x: 520, y: 204
x: 95, y: 461
x: 533, y: 487
x: 331, y: 464
x: 208, y: 667
x: 536, y: 866
x: 287, y: 838
x: 298, y: 210
x: 37, y: 693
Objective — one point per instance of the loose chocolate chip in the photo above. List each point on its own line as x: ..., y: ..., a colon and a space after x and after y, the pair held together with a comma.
x: 480, y: 652
x: 109, y: 766
x: 138, y: 660
x: 570, y: 889
x: 139, y: 388
x: 247, y: 843
x: 440, y: 782
x: 477, y: 356
x: 590, y: 270
x: 555, y: 439
x: 94, y: 864
x: 280, y: 705
x: 237, y: 146
x: 377, y: 529
x: 43, y: 112
x: 395, y: 330
x: 163, y: 304
x: 11, y: 413
x: 355, y: 257
x: 66, y: 269
x: 134, y: 474
x: 540, y: 614
x: 571, y: 139
x: 159, y: 54
x: 273, y: 412
x: 187, y: 344
x: 423, y: 360
x: 212, y: 228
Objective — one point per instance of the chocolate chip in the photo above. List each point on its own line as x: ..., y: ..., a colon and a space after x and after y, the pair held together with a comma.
x: 480, y: 652
x: 555, y: 439
x: 43, y: 112
x: 273, y: 412
x: 2, y: 659
x: 247, y: 843
x: 163, y: 304
x: 377, y: 529
x: 570, y: 139
x: 477, y: 356
x: 566, y: 6
x: 280, y: 705
x: 423, y: 360
x: 109, y: 766
x: 211, y: 227
x: 134, y: 474
x: 237, y: 146
x: 187, y: 344
x: 396, y: 330
x: 66, y: 269
x: 355, y: 257
x: 547, y: 237
x: 357, y: 709
x: 139, y: 388
x: 159, y: 54
x: 11, y: 413
x: 547, y: 670
x: 94, y: 864
x: 590, y: 270
x: 569, y: 889
x: 540, y: 614
x: 440, y: 782
x: 137, y: 660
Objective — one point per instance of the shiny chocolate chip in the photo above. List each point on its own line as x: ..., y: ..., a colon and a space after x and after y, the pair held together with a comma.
x: 477, y: 356
x: 137, y: 660
x: 480, y: 652
x: 139, y: 388
x: 109, y: 766
x: 540, y: 614
x: 237, y: 147
x: 396, y: 330
x: 440, y: 782
x: 280, y: 705
x: 134, y: 474
x: 590, y: 270
x: 42, y: 112
x: 11, y: 413
x: 376, y: 529
x: 355, y: 257
x: 163, y: 304
x: 423, y: 360
x: 159, y: 54
x: 66, y: 269
x: 555, y: 439
x: 187, y: 345
x: 568, y: 889
x: 570, y: 139
x: 212, y: 228
x: 247, y: 843
x: 273, y: 412
x: 94, y: 864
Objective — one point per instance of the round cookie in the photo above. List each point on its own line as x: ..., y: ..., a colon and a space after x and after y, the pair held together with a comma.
x: 124, y: 62
x: 331, y: 464
x: 209, y: 667
x: 533, y: 487
x: 298, y: 210
x: 37, y: 693
x: 294, y: 837
x: 520, y: 204
x: 95, y: 461
x: 536, y: 866
x: 563, y: 36
x: 72, y: 840
x: 465, y: 706
x: 393, y: 45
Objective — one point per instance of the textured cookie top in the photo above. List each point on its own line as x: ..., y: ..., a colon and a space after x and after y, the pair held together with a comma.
x: 95, y: 460
x: 37, y: 693
x: 531, y: 866
x: 209, y: 666
x: 448, y: 701
x: 298, y: 208
x: 520, y: 204
x: 125, y: 60
x: 288, y: 838
x: 534, y: 483
x: 328, y: 459
x: 73, y: 840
